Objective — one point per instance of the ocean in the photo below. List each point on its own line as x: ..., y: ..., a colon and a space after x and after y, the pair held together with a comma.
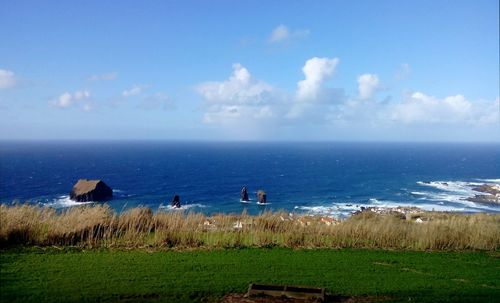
x: 332, y: 179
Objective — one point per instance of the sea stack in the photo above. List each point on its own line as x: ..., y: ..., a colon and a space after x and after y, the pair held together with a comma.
x: 261, y: 197
x: 91, y: 190
x: 176, y: 202
x: 244, y: 194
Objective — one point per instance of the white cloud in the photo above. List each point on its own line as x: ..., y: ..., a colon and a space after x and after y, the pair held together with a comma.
x: 368, y: 84
x: 64, y: 100
x: 240, y: 96
x: 316, y: 71
x: 103, y: 77
x: 81, y: 98
x: 82, y: 94
x: 244, y: 106
x: 7, y: 79
x: 416, y: 109
x: 282, y: 34
x: 311, y: 91
x: 420, y: 108
x: 240, y: 88
x: 134, y: 90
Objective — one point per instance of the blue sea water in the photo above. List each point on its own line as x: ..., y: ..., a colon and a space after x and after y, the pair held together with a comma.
x: 319, y: 178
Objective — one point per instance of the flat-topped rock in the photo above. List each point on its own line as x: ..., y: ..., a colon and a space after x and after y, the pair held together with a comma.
x: 91, y: 190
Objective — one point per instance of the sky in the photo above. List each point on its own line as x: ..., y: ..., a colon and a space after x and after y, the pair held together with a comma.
x: 250, y: 70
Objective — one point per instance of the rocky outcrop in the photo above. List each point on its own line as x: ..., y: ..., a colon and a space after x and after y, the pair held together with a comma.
x: 261, y: 197
x: 91, y: 190
x: 490, y: 194
x: 176, y: 201
x: 488, y: 188
x: 244, y: 194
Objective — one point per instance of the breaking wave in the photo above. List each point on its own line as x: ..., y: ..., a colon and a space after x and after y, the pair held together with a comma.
x: 497, y: 181
x: 449, y: 196
x: 64, y: 201
x: 454, y: 192
x: 183, y: 207
x: 344, y: 210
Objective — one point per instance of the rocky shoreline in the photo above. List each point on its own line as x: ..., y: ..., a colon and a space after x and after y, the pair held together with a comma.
x: 489, y: 194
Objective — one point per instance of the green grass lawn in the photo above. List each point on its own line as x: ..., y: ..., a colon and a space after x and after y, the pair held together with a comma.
x: 137, y: 275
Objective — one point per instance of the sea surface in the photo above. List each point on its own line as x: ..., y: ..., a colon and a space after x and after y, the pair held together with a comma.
x: 331, y: 179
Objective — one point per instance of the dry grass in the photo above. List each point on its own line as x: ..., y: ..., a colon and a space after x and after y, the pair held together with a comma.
x: 99, y: 226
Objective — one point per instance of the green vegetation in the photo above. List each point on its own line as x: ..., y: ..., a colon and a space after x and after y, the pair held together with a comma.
x: 43, y: 275
x: 100, y: 227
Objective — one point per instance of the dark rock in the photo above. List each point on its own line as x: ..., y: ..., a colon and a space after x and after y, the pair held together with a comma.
x: 244, y: 194
x: 487, y: 199
x: 488, y: 189
x: 176, y: 201
x: 261, y: 197
x: 491, y: 194
x: 91, y: 190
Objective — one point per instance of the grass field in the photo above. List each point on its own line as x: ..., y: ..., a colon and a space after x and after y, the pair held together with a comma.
x: 206, y: 275
x: 100, y: 227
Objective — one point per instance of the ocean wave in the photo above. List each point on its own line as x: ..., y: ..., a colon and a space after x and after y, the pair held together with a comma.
x: 497, y: 181
x: 450, y: 186
x: 183, y: 207
x: 419, y: 193
x: 343, y: 210
x: 456, y: 192
x: 64, y: 202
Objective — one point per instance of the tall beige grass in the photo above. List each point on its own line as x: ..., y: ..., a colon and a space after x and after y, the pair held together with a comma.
x: 99, y: 226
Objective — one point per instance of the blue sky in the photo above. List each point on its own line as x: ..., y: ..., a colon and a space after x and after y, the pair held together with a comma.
x: 250, y: 70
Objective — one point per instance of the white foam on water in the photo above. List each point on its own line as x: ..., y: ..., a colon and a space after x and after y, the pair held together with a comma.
x: 64, y: 201
x: 497, y: 181
x: 419, y: 193
x: 183, y: 207
x: 346, y: 209
x: 449, y: 186
x: 455, y: 192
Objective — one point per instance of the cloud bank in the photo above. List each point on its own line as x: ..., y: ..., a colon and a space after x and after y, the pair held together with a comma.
x: 241, y: 100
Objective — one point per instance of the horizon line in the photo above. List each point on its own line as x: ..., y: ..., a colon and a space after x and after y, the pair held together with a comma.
x: 157, y: 140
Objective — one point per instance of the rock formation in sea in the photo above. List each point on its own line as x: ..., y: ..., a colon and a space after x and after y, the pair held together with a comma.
x: 176, y: 201
x: 490, y: 194
x: 261, y: 196
x: 244, y: 194
x: 91, y: 190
